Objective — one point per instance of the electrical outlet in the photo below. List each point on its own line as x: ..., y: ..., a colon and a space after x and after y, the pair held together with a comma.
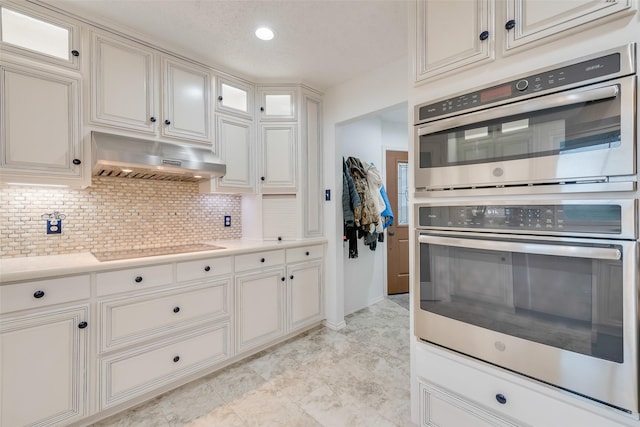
x: 54, y: 226
x: 227, y: 220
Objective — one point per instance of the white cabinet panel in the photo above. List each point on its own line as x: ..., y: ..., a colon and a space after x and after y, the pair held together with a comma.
x: 312, y: 158
x: 40, y: 124
x: 133, y: 279
x: 279, y: 158
x: 536, y: 19
x: 259, y: 308
x: 279, y: 104
x: 43, y: 293
x: 42, y: 368
x: 280, y: 217
x: 235, y: 97
x: 259, y: 260
x: 204, y: 268
x: 123, y: 84
x: 305, y: 294
x: 186, y: 102
x: 469, y: 29
x: 237, y: 151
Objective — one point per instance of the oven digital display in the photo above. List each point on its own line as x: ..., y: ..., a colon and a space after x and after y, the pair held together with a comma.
x: 494, y: 93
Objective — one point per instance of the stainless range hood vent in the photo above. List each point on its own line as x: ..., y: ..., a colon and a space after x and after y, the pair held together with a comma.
x: 125, y: 157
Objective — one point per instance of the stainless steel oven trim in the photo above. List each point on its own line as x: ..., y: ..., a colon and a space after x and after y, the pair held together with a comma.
x: 610, y: 382
x: 620, y: 161
x: 627, y: 67
x: 629, y: 209
x: 525, y: 247
x: 576, y: 96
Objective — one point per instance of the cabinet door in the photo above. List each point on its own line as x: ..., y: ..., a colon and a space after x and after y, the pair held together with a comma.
x: 279, y: 161
x: 534, y: 20
x: 41, y: 127
x: 234, y: 97
x: 42, y: 368
x: 236, y: 141
x: 259, y: 308
x: 452, y: 35
x: 304, y: 294
x: 187, y: 93
x: 312, y: 157
x: 123, y: 85
x: 278, y: 104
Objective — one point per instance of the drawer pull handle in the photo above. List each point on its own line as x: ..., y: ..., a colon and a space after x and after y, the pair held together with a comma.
x: 38, y: 294
x: 262, y: 260
x: 138, y: 279
x: 82, y: 325
x: 176, y: 359
x: 176, y: 309
x: 501, y: 399
x: 307, y: 253
x: 207, y: 268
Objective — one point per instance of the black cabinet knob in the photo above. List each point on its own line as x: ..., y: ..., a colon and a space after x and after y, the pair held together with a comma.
x: 501, y: 399
x: 167, y: 122
x: 75, y: 53
x: 262, y: 260
x: 176, y: 309
x: 510, y: 25
x: 279, y: 239
x: 152, y: 119
x: 261, y: 108
x: 391, y: 233
x: 82, y: 325
x: 484, y: 35
x: 262, y: 178
x: 220, y: 98
x: 176, y: 359
x: 283, y: 279
x: 138, y: 279
x: 207, y: 268
x: 291, y: 277
x: 76, y: 161
x: 307, y: 253
x: 38, y: 294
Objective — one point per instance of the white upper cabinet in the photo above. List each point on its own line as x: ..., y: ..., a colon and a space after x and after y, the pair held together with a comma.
x: 234, y: 97
x: 187, y: 100
x: 123, y: 84
x: 43, y: 37
x: 531, y: 20
x: 126, y: 85
x: 278, y: 104
x: 279, y: 150
x: 40, y: 136
x: 456, y: 35
x: 453, y: 34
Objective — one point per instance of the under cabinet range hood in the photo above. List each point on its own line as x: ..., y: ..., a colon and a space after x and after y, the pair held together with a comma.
x: 126, y: 157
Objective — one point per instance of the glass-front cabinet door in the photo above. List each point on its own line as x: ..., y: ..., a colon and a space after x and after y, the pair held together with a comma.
x: 234, y: 97
x: 277, y: 104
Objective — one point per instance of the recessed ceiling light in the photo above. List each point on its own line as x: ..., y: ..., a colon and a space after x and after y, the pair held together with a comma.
x: 264, y: 33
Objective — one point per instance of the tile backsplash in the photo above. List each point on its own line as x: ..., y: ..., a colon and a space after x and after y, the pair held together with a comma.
x: 113, y: 214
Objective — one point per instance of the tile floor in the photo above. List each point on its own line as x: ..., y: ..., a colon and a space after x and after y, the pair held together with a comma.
x: 358, y: 376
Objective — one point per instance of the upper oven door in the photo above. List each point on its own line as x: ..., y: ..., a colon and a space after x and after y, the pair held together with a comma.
x: 585, y: 134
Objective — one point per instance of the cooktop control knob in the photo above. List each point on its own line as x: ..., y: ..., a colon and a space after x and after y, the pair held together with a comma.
x: 522, y: 85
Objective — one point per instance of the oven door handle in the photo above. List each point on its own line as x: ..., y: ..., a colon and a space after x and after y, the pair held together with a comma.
x: 528, y: 248
x: 543, y: 103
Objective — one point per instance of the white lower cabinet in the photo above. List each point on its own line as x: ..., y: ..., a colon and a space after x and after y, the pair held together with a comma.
x: 129, y: 374
x: 259, y: 307
x: 42, y: 372
x: 455, y: 391
x: 304, y: 286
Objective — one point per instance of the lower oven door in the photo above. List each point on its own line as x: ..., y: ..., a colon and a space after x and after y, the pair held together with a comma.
x: 563, y: 311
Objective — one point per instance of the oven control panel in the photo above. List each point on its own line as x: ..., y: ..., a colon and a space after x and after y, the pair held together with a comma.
x: 574, y: 218
x: 558, y: 78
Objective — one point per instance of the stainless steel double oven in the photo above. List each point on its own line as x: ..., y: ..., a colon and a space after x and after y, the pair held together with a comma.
x: 526, y: 215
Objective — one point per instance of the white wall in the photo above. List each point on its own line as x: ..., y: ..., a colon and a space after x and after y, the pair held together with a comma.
x: 365, y: 277
x: 380, y: 89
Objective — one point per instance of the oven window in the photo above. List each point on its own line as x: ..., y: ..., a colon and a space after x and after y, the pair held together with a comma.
x: 570, y: 303
x: 593, y: 125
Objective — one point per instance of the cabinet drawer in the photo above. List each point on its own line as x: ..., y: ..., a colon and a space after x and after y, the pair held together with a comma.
x: 304, y: 253
x: 125, y: 376
x: 528, y: 402
x: 42, y: 293
x: 113, y: 282
x: 204, y: 268
x: 259, y: 260
x: 128, y: 320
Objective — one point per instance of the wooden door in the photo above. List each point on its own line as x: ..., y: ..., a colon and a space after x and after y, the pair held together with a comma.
x: 398, y: 233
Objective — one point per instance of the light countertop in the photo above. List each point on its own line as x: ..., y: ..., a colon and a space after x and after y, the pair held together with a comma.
x: 38, y: 267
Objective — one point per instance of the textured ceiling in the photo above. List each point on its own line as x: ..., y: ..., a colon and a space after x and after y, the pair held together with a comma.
x: 318, y: 42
